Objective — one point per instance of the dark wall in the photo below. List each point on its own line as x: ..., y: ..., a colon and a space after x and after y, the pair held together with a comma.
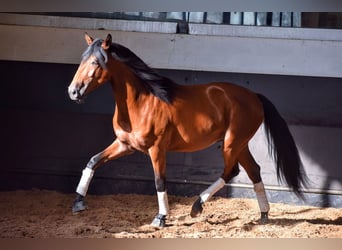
x: 43, y: 87
x: 46, y: 139
x: 42, y: 130
x: 315, y: 101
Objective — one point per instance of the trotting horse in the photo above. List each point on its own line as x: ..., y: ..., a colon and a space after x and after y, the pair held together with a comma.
x: 155, y: 115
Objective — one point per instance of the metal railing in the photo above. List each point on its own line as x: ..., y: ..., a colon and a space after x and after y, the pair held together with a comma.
x: 275, y: 19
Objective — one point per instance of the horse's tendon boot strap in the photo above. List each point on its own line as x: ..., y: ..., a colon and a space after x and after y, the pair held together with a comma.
x: 210, y: 191
x: 87, y: 175
x: 261, y: 196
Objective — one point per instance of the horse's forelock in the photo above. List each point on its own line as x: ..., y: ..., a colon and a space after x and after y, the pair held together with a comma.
x: 96, y: 49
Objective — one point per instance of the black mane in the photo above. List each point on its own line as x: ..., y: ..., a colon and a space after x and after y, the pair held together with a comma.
x: 160, y: 86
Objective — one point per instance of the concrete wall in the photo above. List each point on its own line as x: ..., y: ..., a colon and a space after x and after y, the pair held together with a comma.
x: 268, y: 51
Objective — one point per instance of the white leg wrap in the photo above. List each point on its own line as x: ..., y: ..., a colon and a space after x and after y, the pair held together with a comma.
x: 87, y: 175
x: 163, y: 203
x: 261, y: 196
x: 210, y: 191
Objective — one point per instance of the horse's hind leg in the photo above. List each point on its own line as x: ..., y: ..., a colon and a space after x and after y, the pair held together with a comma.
x: 253, y: 171
x: 205, y: 195
x: 230, y: 153
x: 115, y: 150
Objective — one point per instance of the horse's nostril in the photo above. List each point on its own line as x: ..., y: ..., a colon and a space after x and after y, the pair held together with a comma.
x: 74, y: 92
x: 77, y: 90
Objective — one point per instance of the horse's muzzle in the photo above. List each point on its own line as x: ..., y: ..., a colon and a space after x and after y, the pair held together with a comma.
x: 76, y: 92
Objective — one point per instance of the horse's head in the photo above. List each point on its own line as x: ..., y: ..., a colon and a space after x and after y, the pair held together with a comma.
x: 92, y: 71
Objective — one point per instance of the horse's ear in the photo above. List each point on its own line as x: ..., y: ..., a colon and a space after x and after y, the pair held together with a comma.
x: 88, y: 38
x: 106, y: 43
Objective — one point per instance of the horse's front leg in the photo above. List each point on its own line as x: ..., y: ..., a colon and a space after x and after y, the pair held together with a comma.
x: 115, y: 150
x: 158, y: 158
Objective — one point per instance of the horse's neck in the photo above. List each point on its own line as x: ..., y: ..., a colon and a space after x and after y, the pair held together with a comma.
x: 128, y: 91
x: 124, y: 83
x: 129, y: 97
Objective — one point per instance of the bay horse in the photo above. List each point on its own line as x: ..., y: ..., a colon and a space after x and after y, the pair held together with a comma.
x: 155, y: 115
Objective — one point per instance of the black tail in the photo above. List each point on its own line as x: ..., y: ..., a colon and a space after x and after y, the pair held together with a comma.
x: 283, y: 148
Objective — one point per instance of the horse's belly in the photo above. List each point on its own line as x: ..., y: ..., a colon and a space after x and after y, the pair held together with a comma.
x: 191, y: 147
x: 194, y: 140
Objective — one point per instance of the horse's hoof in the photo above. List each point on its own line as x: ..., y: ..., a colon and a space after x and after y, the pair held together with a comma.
x: 159, y: 221
x: 79, y: 206
x: 264, y: 218
x: 196, y: 208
